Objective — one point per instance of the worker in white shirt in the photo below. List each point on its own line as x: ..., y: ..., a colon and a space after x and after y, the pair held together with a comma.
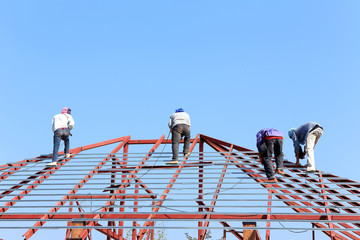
x: 61, y: 125
x: 179, y: 123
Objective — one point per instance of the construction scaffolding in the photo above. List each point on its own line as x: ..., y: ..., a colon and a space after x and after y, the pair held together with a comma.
x: 123, y: 194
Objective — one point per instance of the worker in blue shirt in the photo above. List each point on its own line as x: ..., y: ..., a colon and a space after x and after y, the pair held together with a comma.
x: 308, y: 134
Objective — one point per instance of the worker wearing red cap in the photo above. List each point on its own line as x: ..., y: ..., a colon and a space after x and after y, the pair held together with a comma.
x: 179, y: 123
x: 61, y: 125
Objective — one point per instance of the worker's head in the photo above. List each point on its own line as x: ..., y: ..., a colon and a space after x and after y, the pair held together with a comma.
x: 179, y: 110
x: 291, y: 132
x: 66, y: 110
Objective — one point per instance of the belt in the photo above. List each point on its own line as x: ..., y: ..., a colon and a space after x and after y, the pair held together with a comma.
x: 62, y: 128
x: 317, y: 126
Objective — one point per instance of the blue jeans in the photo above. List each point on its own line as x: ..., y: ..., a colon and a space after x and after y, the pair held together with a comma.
x: 179, y: 131
x: 267, y: 149
x: 60, y: 134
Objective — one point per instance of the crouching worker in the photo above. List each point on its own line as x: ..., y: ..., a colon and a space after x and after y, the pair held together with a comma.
x: 61, y: 125
x: 308, y: 134
x: 269, y: 141
x: 179, y: 124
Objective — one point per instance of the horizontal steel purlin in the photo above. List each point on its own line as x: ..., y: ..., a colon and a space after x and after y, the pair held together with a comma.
x: 197, y: 216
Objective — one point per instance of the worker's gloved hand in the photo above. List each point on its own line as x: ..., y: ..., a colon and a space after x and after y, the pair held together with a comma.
x: 302, y: 154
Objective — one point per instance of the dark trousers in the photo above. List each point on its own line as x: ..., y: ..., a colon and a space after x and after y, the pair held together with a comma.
x: 267, y: 149
x: 60, y: 134
x: 178, y: 132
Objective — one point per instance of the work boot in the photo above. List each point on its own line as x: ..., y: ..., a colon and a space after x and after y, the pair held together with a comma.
x: 67, y: 155
x: 52, y: 164
x: 274, y: 180
x: 280, y: 171
x: 173, y: 162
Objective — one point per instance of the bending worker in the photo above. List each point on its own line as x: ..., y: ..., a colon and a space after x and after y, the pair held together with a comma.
x: 308, y: 134
x: 269, y: 141
x: 61, y: 125
x: 179, y: 123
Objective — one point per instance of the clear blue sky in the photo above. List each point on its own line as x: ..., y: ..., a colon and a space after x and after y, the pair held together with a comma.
x: 234, y: 66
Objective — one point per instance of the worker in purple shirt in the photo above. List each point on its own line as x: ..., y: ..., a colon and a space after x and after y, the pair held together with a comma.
x: 308, y: 134
x: 269, y: 141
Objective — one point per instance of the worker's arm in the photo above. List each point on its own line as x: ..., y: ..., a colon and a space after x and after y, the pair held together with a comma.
x: 53, y: 124
x: 71, y: 122
x: 297, y: 160
x: 297, y: 148
x: 170, y: 123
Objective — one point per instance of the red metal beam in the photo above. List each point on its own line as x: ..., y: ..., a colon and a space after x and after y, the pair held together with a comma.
x: 225, y: 224
x: 216, y: 195
x: 46, y: 175
x: 153, y: 141
x: 32, y: 231
x: 126, y: 182
x: 164, y: 216
x: 107, y: 197
x: 250, y: 172
x: 127, y: 169
x: 167, y: 190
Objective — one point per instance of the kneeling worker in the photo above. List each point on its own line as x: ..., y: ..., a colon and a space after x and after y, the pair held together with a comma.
x: 179, y: 123
x: 269, y: 141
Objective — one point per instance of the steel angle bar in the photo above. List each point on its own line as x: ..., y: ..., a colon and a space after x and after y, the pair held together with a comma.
x: 35, y: 184
x: 186, y: 220
x: 144, y: 198
x: 214, y: 215
x: 228, y: 177
x: 309, y: 188
x: 32, y: 231
x: 185, y: 206
x: 167, y: 190
x: 135, y: 171
x: 186, y: 188
x: 252, y: 174
x: 185, y: 227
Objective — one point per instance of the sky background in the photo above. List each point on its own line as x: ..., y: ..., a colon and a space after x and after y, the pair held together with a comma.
x: 236, y: 67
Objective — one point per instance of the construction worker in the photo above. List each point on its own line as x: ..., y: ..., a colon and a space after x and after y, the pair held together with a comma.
x: 61, y: 125
x: 308, y: 134
x: 179, y: 124
x: 269, y: 141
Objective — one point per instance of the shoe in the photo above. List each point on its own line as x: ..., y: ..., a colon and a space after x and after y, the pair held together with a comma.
x: 274, y: 180
x: 310, y: 171
x: 67, y: 155
x: 280, y: 171
x: 186, y: 154
x: 51, y: 164
x: 173, y: 162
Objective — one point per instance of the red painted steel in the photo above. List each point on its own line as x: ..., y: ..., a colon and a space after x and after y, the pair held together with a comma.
x: 195, y: 216
x: 250, y: 171
x: 218, y: 187
x: 32, y: 231
x: 201, y: 183
x: 127, y: 181
x: 45, y: 175
x: 315, y: 208
x: 167, y: 190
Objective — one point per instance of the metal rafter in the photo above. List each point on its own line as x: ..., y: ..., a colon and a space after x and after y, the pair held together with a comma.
x: 327, y: 201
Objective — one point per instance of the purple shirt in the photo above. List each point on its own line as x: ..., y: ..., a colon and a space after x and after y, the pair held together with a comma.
x: 270, y: 132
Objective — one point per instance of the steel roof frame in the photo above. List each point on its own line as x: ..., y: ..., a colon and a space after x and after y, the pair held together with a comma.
x: 340, y: 220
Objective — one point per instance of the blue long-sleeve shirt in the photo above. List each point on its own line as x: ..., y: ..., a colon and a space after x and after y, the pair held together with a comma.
x: 299, y: 135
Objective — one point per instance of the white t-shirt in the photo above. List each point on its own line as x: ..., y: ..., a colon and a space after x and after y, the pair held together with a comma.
x: 62, y: 120
x: 179, y: 118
